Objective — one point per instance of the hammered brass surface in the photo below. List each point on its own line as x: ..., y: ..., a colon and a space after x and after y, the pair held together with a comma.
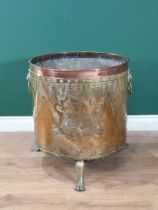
x: 80, y: 119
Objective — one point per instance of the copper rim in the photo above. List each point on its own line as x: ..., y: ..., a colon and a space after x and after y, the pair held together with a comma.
x: 83, y: 73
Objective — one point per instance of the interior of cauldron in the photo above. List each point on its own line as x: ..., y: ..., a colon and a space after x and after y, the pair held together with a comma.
x: 79, y: 61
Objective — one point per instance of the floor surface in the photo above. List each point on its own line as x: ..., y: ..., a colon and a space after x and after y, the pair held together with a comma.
x: 127, y: 180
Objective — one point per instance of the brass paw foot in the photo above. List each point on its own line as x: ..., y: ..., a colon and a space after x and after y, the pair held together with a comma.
x: 35, y: 148
x: 79, y: 185
x: 126, y: 145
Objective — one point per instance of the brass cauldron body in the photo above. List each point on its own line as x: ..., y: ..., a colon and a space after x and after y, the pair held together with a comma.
x: 79, y: 105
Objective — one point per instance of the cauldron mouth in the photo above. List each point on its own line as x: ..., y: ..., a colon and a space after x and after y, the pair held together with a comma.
x: 81, y: 64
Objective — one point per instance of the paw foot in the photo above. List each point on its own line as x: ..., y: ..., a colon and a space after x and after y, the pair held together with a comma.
x: 79, y: 186
x: 126, y: 145
x: 35, y: 148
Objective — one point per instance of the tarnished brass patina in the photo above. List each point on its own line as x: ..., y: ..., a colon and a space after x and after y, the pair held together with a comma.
x: 80, y: 112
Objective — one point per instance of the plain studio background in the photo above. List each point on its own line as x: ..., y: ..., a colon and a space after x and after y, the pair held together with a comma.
x: 30, y: 28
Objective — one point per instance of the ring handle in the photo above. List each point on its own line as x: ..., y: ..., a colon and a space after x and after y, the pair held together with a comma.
x: 28, y: 80
x: 129, y: 86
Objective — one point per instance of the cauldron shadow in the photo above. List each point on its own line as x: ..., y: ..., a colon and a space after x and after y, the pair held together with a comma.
x: 64, y: 170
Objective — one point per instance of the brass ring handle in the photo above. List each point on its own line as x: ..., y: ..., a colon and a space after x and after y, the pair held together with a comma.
x: 129, y: 86
x: 28, y: 80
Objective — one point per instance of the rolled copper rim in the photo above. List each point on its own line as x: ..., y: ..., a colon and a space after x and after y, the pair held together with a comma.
x: 79, y: 73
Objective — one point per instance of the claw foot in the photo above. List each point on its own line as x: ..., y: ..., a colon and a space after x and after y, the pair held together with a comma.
x: 35, y: 148
x: 79, y: 186
x: 126, y: 145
